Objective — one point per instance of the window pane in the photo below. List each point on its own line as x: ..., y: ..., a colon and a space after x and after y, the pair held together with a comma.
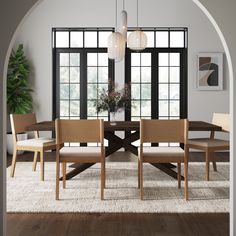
x: 146, y: 74
x: 103, y: 74
x: 163, y: 74
x: 75, y: 74
x: 135, y: 111
x: 150, y: 39
x: 162, y: 39
x: 102, y: 86
x: 163, y: 108
x: 146, y: 108
x: 75, y: 59
x: 135, y: 59
x: 91, y: 109
x: 62, y: 39
x: 92, y: 91
x: 64, y: 74
x: 174, y: 108
x: 174, y: 59
x: 64, y: 91
x: 135, y: 74
x: 90, y: 39
x: 74, y: 91
x: 74, y: 108
x: 76, y: 39
x: 174, y: 74
x: 92, y: 74
x: 163, y: 59
x: 64, y: 108
x: 103, y: 36
x: 64, y: 59
x: 92, y: 59
x: 163, y: 91
x: 146, y: 91
x: 145, y: 59
x: 102, y: 59
x: 177, y: 39
x: 103, y: 114
x: 174, y: 91
x: 135, y: 91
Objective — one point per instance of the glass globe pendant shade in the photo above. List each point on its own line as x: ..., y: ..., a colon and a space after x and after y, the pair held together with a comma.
x: 123, y: 28
x: 116, y: 46
x: 137, y: 40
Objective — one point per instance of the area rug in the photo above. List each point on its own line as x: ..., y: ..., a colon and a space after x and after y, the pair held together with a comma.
x: 26, y: 193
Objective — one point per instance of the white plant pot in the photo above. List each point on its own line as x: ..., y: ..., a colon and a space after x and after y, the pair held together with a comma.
x: 10, y: 146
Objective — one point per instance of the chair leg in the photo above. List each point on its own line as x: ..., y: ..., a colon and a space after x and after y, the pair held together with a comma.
x: 13, y: 164
x: 102, y: 178
x: 213, y: 161
x: 179, y: 175
x: 35, y: 161
x: 141, y: 180
x: 64, y: 174
x: 104, y: 184
x: 42, y: 165
x: 57, y: 179
x: 207, y: 165
x: 186, y: 180
x: 138, y: 174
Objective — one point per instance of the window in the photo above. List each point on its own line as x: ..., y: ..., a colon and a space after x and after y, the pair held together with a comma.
x: 158, y: 76
x: 80, y: 71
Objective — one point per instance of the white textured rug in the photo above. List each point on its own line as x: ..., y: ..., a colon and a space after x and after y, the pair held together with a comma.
x: 26, y: 193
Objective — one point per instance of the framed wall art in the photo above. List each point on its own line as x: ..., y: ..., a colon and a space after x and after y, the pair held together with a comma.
x: 210, y: 71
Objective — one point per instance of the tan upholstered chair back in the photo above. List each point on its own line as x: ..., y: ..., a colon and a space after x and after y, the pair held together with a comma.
x: 81, y: 131
x: 19, y: 122
x: 155, y: 131
x: 221, y: 119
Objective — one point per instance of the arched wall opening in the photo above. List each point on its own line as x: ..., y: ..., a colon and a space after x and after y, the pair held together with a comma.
x: 225, y: 49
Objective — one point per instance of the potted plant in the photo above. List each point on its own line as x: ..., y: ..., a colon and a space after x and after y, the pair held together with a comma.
x: 19, y: 98
x: 113, y: 100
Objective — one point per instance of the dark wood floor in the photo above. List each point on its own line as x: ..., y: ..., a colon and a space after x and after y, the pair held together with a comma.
x: 118, y: 224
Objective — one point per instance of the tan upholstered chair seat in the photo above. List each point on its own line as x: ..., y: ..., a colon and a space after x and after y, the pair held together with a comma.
x: 150, y: 153
x: 36, y: 142
x: 208, y: 143
x: 162, y: 151
x: 80, y: 152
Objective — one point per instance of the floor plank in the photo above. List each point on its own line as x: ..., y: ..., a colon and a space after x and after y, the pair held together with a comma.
x: 118, y: 224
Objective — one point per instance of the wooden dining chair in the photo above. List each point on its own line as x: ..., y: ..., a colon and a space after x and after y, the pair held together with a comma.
x: 211, y: 145
x: 19, y: 122
x: 157, y: 131
x: 79, y: 131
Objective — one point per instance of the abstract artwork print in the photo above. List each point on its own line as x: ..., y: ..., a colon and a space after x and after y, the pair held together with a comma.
x: 210, y: 71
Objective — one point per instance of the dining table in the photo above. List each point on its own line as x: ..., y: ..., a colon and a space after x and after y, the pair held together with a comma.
x: 115, y: 142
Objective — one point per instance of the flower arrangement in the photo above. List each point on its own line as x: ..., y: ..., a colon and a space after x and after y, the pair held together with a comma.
x: 113, y: 99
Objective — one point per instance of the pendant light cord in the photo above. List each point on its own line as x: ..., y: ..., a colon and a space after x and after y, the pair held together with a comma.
x: 116, y: 15
x: 137, y: 14
x: 123, y: 4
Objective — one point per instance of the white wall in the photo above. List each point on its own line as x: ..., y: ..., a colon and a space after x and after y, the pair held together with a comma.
x: 35, y: 34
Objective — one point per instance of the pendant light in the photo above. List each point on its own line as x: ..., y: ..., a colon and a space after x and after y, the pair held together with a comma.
x: 124, y: 20
x: 116, y: 44
x: 137, y: 40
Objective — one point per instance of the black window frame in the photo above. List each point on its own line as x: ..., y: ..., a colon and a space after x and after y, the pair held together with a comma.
x: 183, y: 101
x: 83, y: 67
